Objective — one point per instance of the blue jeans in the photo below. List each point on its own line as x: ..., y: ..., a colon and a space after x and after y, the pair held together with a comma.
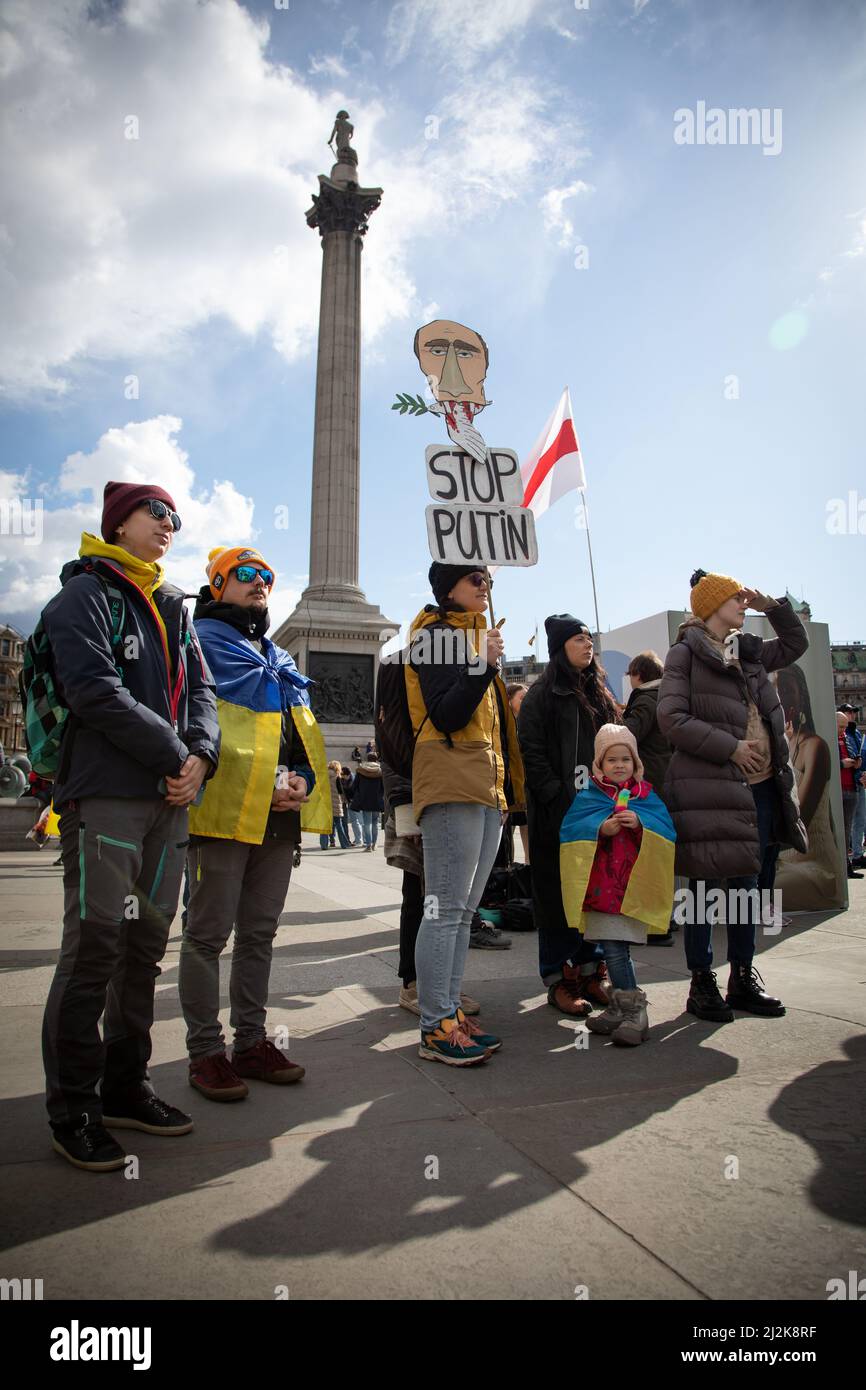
x: 741, y: 935
x: 370, y: 822
x: 354, y: 818
x: 617, y: 954
x: 460, y: 844
x: 858, y: 825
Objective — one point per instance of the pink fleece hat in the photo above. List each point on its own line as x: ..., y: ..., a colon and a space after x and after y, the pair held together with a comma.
x: 607, y: 737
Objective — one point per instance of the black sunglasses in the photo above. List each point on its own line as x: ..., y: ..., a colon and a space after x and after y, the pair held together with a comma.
x: 158, y: 510
x: 477, y: 580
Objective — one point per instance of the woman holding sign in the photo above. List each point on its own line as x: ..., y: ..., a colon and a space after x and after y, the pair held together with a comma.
x: 466, y: 775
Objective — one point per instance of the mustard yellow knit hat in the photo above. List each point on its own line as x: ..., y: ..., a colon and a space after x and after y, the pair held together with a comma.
x: 710, y: 591
x: 223, y: 559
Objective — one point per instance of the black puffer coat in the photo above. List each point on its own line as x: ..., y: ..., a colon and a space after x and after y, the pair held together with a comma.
x: 556, y: 736
x: 703, y: 711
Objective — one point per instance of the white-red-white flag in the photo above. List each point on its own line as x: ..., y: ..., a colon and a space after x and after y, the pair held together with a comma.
x: 554, y: 466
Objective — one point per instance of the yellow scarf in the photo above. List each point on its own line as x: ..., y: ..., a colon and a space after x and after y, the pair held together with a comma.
x: 146, y: 574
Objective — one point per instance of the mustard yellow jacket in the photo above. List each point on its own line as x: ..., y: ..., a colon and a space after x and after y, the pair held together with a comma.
x: 466, y: 745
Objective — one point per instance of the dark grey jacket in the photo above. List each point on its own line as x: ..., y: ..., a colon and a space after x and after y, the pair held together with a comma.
x: 703, y: 711
x: 640, y: 718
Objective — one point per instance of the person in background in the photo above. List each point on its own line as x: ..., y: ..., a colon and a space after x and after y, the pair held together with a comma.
x: 639, y: 717
x: 856, y: 744
x: 848, y: 767
x: 730, y: 787
x: 367, y: 799
x: 559, y: 719
x: 243, y: 835
x: 353, y: 818
x: 338, y: 809
x: 515, y: 695
x: 142, y: 737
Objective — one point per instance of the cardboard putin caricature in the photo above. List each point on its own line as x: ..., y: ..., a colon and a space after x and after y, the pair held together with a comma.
x: 454, y: 360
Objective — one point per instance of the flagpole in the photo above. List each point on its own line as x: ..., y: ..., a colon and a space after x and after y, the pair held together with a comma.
x: 591, y: 568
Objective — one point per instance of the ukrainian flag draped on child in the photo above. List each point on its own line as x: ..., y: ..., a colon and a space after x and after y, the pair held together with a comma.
x: 254, y: 689
x: 648, y: 896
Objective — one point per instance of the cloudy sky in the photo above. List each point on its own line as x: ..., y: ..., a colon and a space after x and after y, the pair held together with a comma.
x: 703, y: 302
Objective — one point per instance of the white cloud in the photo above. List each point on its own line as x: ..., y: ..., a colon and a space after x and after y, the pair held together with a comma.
x: 459, y: 31
x: 329, y: 64
x: 139, y: 452
x: 118, y: 248
x: 556, y: 220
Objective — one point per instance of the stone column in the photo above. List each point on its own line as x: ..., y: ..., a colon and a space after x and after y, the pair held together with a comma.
x: 334, y: 633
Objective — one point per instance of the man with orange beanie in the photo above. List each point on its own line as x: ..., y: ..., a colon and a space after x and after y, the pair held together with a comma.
x: 244, y: 833
x: 730, y: 786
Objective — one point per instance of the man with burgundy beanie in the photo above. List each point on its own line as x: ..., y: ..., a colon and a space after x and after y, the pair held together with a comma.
x: 140, y: 738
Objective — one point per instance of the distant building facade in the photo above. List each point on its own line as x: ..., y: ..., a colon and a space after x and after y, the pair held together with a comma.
x: 523, y: 672
x: 11, y: 716
x: 849, y: 676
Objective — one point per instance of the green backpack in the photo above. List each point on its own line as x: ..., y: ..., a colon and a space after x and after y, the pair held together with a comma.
x: 45, y: 715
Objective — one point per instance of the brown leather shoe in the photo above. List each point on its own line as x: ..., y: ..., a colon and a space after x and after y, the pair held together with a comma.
x: 265, y: 1062
x: 596, y: 988
x: 215, y: 1078
x: 567, y: 994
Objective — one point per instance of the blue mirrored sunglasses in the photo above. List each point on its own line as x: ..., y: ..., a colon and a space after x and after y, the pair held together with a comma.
x: 158, y: 510
x: 247, y: 573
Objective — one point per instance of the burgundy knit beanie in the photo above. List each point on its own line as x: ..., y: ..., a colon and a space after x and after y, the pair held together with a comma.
x: 120, y: 499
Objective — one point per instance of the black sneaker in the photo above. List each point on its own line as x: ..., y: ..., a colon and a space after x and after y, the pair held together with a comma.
x: 653, y: 938
x: 746, y: 992
x: 145, y: 1111
x: 705, y: 1001
x: 852, y: 873
x: 88, y: 1145
x: 485, y: 937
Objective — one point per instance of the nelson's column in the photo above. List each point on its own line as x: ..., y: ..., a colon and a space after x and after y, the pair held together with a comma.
x: 334, y: 634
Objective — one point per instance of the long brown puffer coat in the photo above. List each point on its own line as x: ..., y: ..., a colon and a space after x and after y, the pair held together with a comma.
x: 703, y: 712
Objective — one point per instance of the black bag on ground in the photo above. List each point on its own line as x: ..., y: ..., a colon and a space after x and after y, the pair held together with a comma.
x: 517, y: 915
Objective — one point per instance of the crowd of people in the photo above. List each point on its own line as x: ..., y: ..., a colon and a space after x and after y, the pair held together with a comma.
x: 190, y: 750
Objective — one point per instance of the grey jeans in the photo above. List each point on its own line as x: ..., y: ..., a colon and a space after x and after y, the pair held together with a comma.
x: 238, y: 887
x: 460, y: 843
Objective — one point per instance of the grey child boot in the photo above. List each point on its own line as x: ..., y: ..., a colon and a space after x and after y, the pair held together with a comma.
x: 634, y: 1028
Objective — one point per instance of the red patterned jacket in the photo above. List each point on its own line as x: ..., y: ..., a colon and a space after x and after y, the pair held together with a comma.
x: 614, y: 855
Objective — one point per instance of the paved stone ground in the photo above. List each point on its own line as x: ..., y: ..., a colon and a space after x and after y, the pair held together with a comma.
x: 557, y: 1166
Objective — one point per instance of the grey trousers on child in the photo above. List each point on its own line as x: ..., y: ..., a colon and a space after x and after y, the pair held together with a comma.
x: 232, y: 886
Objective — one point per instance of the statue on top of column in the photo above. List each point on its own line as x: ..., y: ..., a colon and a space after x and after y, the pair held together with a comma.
x: 343, y: 130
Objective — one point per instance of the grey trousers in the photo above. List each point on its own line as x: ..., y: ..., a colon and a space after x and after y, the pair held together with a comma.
x: 237, y: 887
x: 122, y: 865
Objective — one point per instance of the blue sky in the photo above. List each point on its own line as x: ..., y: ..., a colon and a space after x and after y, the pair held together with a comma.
x: 182, y: 258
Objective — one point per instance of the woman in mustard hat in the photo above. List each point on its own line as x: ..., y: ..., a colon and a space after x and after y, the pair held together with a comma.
x: 730, y: 785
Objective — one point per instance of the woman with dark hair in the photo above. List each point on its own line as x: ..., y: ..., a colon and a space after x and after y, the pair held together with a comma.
x: 812, y: 881
x: 559, y: 719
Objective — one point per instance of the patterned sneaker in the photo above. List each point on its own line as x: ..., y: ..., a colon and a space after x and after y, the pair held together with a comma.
x: 143, y: 1110
x: 216, y: 1078
x: 265, y: 1062
x: 477, y: 1033
x: 450, y: 1044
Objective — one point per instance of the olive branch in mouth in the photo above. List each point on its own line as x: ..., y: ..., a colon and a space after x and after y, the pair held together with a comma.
x: 414, y: 404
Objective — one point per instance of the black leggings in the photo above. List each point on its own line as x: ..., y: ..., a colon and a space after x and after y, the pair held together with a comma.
x: 411, y: 913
